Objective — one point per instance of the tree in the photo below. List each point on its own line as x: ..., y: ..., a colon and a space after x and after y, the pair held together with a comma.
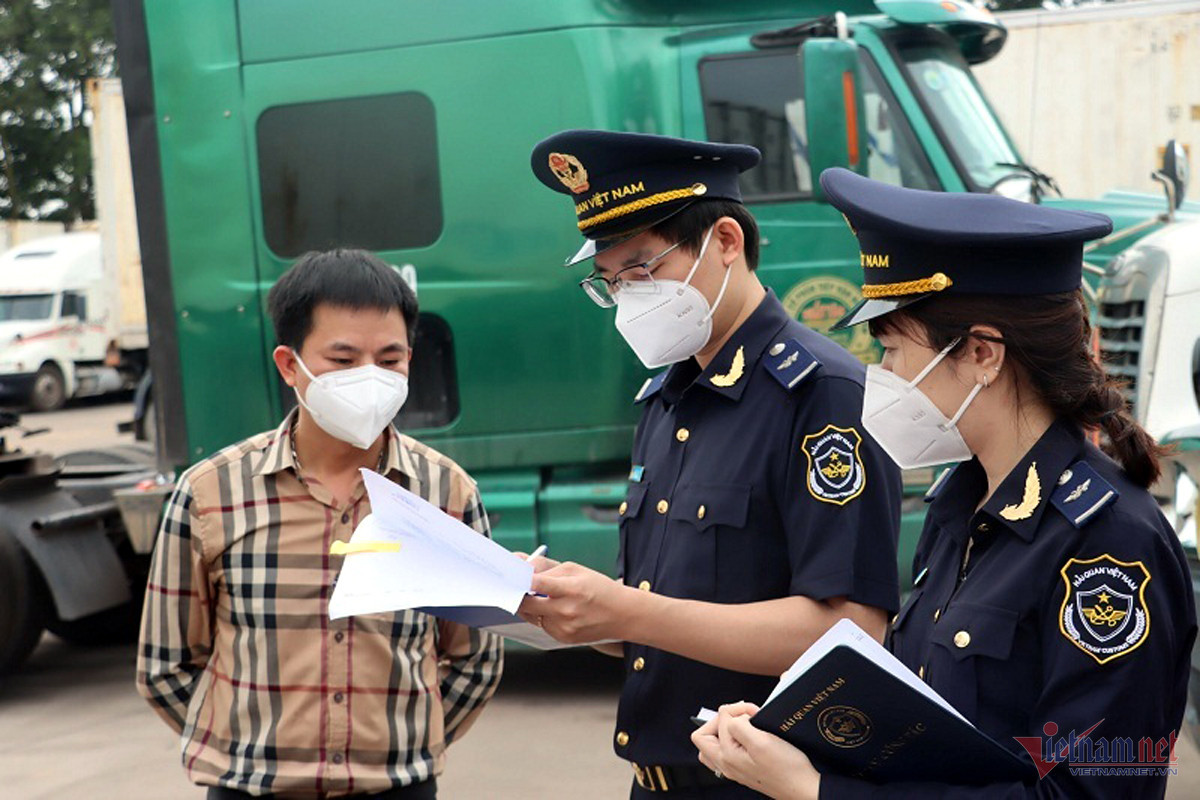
x: 48, y: 50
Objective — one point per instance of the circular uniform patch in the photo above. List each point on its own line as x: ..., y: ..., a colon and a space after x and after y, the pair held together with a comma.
x: 1104, y: 611
x: 844, y: 726
x: 820, y: 302
x: 835, y: 470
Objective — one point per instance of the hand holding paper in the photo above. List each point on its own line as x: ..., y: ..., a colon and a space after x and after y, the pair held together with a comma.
x: 408, y: 554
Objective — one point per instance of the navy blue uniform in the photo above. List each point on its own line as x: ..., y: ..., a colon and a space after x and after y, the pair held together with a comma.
x: 752, y: 480
x: 1075, y: 615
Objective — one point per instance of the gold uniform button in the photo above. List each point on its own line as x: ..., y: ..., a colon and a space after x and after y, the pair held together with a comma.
x: 937, y: 615
x: 622, y: 739
x: 663, y: 505
x: 894, y: 618
x: 682, y: 434
x: 621, y: 509
x: 700, y: 512
x: 962, y: 639
x: 921, y: 672
x: 644, y: 586
x: 983, y: 527
x: 639, y: 664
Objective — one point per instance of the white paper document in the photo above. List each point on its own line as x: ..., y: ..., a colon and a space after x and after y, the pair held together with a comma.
x: 441, y: 566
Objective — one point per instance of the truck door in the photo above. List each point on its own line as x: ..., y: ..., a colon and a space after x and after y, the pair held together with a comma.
x: 735, y: 92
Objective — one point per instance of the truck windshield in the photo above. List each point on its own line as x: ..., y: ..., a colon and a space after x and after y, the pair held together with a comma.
x: 26, y: 307
x: 944, y: 83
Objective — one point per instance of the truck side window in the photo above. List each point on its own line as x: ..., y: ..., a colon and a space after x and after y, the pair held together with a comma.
x: 894, y: 156
x: 359, y: 172
x: 757, y: 98
x: 74, y: 305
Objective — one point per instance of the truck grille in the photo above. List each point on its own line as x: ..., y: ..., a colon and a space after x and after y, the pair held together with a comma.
x: 1121, y: 326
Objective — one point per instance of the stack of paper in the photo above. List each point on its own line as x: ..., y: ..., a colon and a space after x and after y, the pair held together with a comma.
x: 408, y: 554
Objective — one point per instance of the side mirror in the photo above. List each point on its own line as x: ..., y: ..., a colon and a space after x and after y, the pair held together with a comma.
x: 1176, y: 170
x: 834, y: 119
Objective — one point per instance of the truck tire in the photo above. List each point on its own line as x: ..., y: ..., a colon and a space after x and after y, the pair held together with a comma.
x: 24, y: 603
x: 49, y: 389
x: 112, y: 626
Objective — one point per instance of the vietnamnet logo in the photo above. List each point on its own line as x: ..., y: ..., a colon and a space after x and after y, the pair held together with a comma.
x: 1099, y: 756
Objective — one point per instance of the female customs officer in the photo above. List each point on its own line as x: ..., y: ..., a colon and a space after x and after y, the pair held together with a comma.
x: 1051, y: 604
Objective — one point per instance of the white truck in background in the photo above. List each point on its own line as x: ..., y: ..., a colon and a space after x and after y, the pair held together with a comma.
x: 72, y: 312
x: 1089, y: 94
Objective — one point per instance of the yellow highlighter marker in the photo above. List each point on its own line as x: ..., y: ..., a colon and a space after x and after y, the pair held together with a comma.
x: 340, y: 548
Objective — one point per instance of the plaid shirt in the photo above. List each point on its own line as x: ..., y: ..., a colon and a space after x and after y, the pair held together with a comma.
x: 239, y: 655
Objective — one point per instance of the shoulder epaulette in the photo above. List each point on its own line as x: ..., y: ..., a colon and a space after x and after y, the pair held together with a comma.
x: 936, y: 487
x: 1081, y: 492
x: 650, y: 387
x: 789, y: 363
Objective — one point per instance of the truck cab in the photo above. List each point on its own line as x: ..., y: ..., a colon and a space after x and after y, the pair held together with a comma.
x: 52, y: 320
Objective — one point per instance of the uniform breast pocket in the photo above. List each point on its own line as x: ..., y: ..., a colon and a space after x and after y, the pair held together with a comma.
x: 629, y: 512
x: 896, y: 629
x: 970, y: 657
x: 699, y: 515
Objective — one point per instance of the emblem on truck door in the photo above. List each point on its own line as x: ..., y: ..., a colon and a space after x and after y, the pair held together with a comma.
x: 568, y: 170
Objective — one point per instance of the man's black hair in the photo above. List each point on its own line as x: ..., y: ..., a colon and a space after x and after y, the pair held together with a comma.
x: 690, y: 225
x: 342, y: 277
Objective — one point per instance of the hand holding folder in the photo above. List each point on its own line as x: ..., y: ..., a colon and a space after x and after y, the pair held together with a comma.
x: 855, y: 710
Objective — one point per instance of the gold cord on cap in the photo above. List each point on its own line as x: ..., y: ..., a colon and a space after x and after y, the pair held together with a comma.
x: 695, y: 190
x: 934, y: 283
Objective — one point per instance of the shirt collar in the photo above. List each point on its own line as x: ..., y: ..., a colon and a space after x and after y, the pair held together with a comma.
x: 728, y: 373
x: 1022, y: 497
x: 279, y: 455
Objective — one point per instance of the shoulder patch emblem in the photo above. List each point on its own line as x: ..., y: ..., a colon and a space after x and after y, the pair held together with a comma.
x: 1104, y: 610
x: 789, y: 363
x: 835, y: 470
x: 1081, y: 492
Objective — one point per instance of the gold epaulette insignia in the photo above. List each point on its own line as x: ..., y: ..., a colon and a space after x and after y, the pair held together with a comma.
x: 1029, y: 502
x: 736, y: 369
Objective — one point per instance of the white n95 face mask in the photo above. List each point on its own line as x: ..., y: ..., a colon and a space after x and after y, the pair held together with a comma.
x: 354, y: 405
x: 670, y: 323
x: 907, y: 424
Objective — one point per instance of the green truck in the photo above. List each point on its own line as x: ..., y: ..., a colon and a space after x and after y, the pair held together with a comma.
x: 262, y: 130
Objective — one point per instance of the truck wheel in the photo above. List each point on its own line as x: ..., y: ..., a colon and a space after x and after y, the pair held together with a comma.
x: 49, y: 389
x: 24, y: 603
x: 112, y: 626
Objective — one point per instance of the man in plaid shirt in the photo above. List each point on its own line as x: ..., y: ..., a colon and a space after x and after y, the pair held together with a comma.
x: 237, y: 651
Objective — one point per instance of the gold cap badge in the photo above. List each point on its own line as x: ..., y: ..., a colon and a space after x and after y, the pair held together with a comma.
x: 570, y: 171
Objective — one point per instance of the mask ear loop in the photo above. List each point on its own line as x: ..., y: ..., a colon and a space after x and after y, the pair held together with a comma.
x: 979, y: 387
x: 936, y: 360
x: 303, y: 366
x: 703, y: 249
x: 311, y: 377
x: 720, y: 294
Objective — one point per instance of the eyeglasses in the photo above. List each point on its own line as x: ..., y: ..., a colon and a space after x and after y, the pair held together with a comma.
x: 635, y: 279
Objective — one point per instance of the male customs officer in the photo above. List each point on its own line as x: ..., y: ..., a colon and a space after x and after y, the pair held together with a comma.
x: 759, y: 512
